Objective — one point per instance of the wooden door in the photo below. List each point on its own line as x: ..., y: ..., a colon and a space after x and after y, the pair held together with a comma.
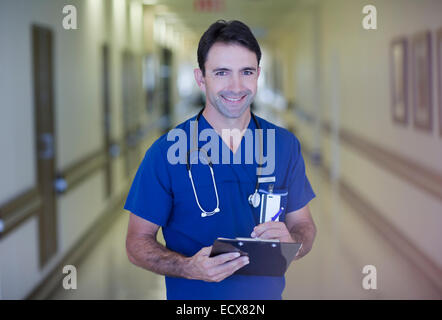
x: 42, y: 47
x: 107, y: 117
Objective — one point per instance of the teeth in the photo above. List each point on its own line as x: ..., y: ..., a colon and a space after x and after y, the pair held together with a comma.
x: 232, y: 99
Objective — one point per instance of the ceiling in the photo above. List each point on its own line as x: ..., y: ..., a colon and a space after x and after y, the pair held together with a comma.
x: 197, y: 15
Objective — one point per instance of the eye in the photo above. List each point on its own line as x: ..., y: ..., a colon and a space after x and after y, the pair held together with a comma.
x: 248, y: 72
x: 220, y: 73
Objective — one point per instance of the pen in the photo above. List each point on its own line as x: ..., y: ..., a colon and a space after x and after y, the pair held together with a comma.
x: 277, y: 214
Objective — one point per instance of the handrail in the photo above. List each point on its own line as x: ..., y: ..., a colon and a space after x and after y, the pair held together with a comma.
x: 422, y: 177
x: 426, y: 179
x: 79, y: 171
x: 27, y: 204
x: 19, y: 209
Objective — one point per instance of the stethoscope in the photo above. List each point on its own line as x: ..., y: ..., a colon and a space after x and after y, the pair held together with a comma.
x: 254, y: 199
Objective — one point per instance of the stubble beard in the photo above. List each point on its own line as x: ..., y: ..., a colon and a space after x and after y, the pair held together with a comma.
x: 222, y: 106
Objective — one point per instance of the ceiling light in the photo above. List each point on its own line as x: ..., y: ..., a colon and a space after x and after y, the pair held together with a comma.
x: 150, y: 2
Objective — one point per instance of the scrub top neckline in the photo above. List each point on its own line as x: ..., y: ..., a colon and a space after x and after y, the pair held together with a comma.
x: 250, y: 171
x: 251, y: 126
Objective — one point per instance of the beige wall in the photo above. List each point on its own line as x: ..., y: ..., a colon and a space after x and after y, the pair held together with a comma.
x: 78, y: 118
x: 123, y: 25
x: 355, y: 95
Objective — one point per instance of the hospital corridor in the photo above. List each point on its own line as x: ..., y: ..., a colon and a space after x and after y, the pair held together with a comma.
x: 88, y: 86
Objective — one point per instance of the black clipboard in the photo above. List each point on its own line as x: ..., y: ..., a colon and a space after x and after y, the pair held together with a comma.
x: 267, y: 257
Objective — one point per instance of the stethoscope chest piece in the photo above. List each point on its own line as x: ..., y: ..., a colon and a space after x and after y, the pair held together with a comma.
x: 254, y: 199
x: 207, y: 214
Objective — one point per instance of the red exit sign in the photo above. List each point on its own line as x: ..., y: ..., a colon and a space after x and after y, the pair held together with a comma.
x: 209, y: 5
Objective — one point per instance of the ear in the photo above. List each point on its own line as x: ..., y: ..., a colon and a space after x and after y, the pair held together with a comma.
x: 259, y: 71
x: 199, y: 78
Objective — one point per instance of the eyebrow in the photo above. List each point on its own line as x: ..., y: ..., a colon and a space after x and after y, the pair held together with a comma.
x: 227, y: 69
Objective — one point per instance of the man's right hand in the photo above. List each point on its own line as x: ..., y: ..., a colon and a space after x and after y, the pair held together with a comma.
x: 215, y: 269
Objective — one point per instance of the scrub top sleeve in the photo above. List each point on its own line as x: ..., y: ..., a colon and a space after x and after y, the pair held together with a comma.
x: 300, y: 191
x: 150, y: 195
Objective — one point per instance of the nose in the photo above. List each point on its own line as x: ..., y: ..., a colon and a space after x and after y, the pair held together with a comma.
x: 236, y: 84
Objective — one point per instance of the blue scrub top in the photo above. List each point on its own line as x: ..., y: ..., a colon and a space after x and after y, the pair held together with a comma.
x: 162, y: 194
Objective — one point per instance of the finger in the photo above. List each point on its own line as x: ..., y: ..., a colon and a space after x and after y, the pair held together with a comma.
x: 272, y: 234
x: 230, y: 266
x: 223, y: 271
x: 259, y: 229
x: 225, y: 257
x: 205, y: 251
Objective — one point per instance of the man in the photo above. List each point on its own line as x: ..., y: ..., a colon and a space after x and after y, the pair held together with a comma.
x: 194, y: 207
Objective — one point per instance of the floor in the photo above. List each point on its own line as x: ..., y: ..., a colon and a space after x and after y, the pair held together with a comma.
x: 332, y: 270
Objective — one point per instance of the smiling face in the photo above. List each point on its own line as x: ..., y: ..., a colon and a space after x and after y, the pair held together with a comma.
x: 231, y: 78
